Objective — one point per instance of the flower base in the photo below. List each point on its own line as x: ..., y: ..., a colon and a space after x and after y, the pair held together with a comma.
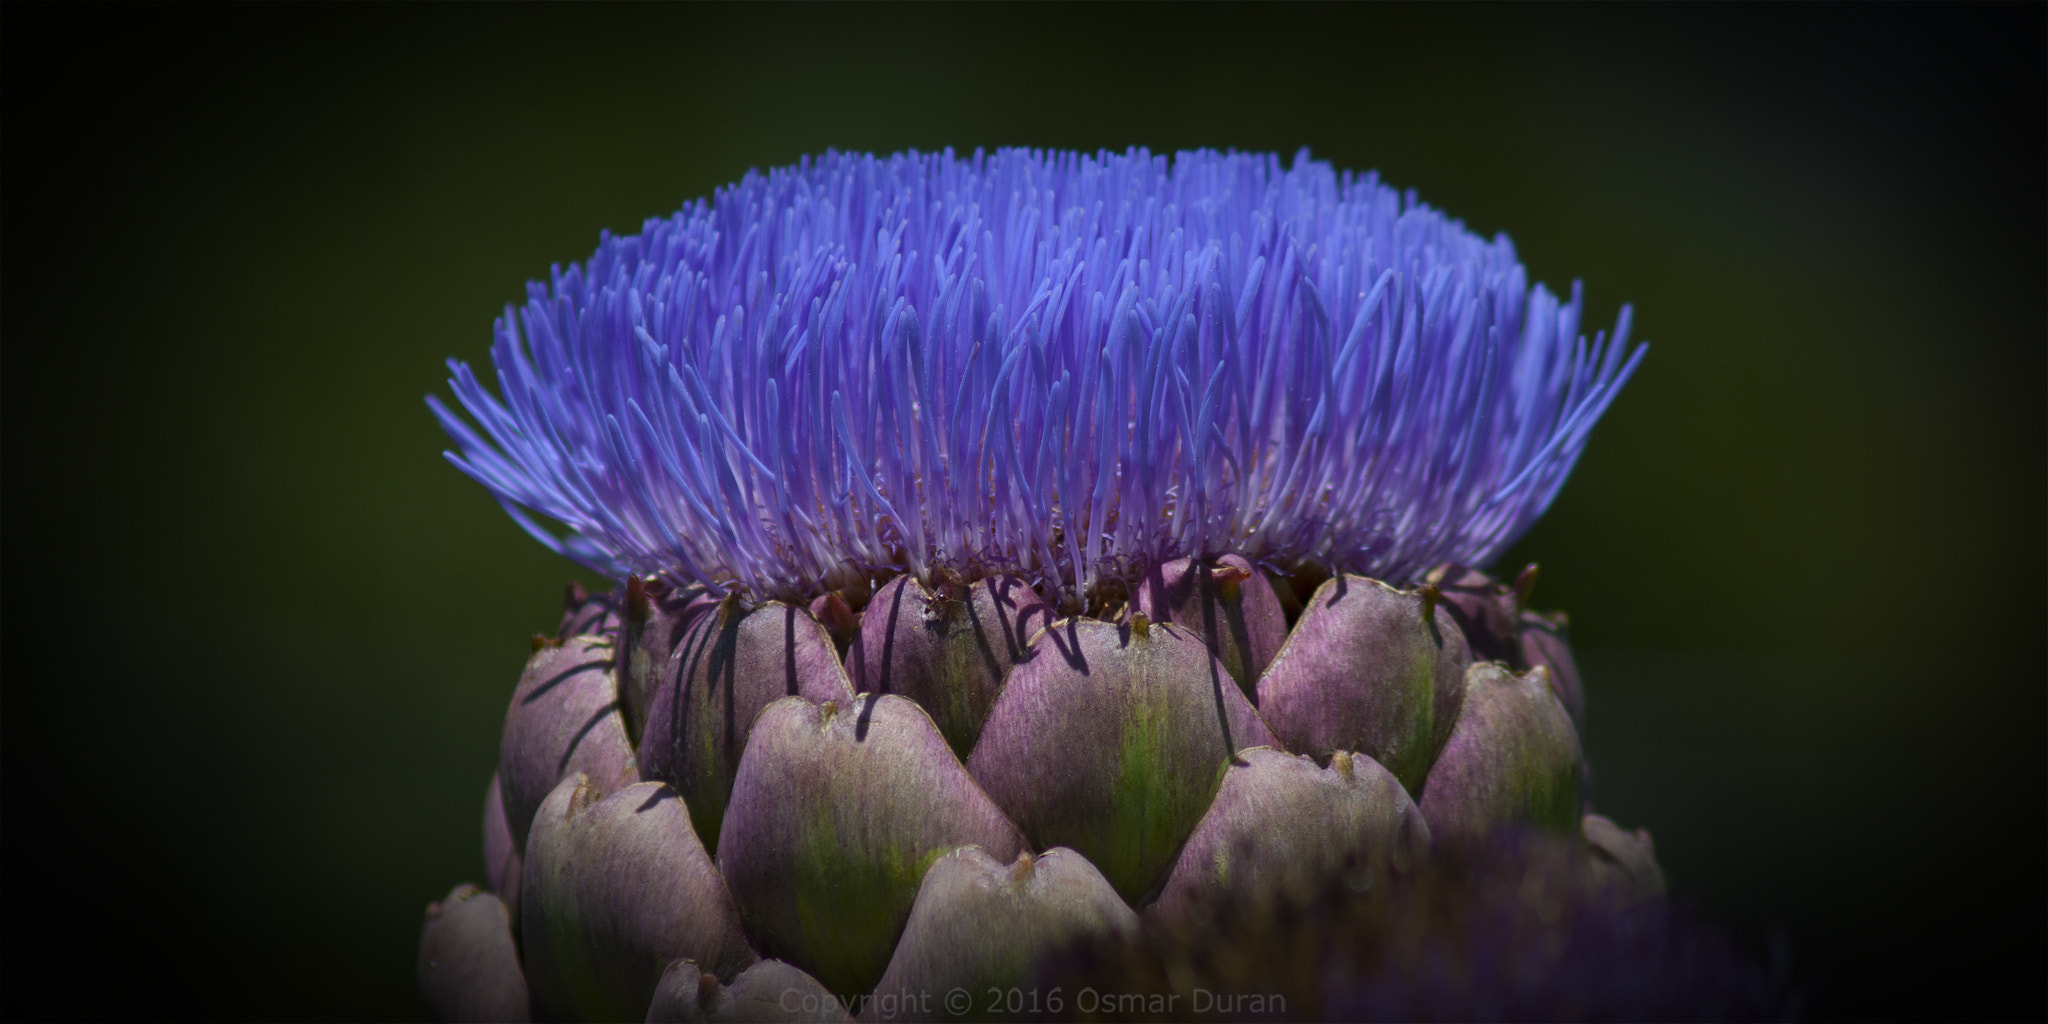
x: 706, y: 809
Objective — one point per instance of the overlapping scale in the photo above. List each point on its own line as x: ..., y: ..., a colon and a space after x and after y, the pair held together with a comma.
x: 1368, y: 668
x: 1280, y: 825
x: 979, y: 925
x: 652, y: 622
x: 836, y: 813
x: 1512, y: 760
x: 1112, y: 740
x: 768, y: 991
x: 469, y: 966
x: 564, y: 719
x: 1111, y: 767
x: 1228, y: 603
x: 1543, y: 643
x: 1487, y: 610
x: 502, y: 855
x: 727, y: 664
x: 616, y: 887
x: 949, y: 650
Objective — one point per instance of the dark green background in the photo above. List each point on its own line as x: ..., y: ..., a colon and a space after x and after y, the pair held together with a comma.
x: 258, y: 635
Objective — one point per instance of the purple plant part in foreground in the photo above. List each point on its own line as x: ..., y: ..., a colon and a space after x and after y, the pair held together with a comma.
x: 1064, y: 366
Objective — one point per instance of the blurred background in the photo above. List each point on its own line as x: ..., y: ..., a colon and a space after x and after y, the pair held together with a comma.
x: 259, y: 636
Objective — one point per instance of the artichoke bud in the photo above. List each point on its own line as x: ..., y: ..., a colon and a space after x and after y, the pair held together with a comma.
x: 1626, y: 860
x: 1077, y: 582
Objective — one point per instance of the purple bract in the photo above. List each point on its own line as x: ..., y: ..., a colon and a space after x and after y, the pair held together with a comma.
x: 1068, y: 367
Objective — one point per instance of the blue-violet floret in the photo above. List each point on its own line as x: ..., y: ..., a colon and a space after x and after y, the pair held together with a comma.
x: 1063, y: 365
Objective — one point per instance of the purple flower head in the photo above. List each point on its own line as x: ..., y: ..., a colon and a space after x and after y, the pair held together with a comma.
x: 1063, y: 365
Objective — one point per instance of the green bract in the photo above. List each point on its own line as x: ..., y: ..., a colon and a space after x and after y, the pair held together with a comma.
x: 1090, y: 773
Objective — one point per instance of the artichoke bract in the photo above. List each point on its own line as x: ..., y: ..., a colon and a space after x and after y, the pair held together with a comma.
x: 835, y: 816
x: 1113, y: 741
x: 617, y: 886
x: 1369, y: 668
x: 1014, y: 553
x: 1513, y: 757
x: 952, y: 652
x: 469, y: 966
x: 768, y: 991
x: 1229, y: 604
x: 726, y: 666
x: 980, y: 924
x: 564, y: 718
x: 1280, y: 825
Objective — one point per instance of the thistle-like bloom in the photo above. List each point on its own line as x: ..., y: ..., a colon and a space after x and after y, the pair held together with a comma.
x: 1028, y: 536
x: 1058, y: 365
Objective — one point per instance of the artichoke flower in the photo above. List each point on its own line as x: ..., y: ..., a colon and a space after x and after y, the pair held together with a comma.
x: 1015, y: 552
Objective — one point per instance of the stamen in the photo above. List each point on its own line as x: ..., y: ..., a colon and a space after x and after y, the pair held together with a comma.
x: 1057, y: 365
